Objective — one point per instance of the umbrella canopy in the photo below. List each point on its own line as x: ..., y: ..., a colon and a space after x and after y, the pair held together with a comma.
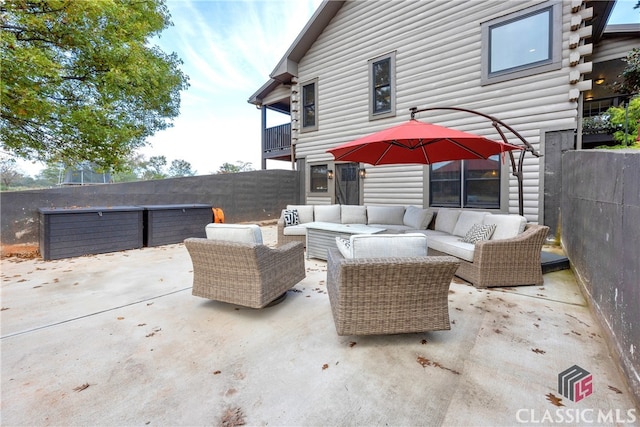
x: 420, y: 143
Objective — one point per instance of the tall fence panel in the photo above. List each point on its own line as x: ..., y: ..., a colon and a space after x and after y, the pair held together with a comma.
x: 601, y: 236
x: 244, y: 196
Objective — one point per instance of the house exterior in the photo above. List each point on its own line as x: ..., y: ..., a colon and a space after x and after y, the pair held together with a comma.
x: 359, y: 67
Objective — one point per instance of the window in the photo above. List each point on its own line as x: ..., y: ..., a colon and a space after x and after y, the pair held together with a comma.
x: 310, y: 106
x: 474, y: 182
x: 382, y: 98
x: 521, y: 44
x: 319, y: 179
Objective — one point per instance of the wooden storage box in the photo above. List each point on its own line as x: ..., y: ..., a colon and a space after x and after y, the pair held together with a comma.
x: 166, y: 224
x: 69, y: 232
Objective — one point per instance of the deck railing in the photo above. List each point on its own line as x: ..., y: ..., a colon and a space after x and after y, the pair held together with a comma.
x: 277, y: 138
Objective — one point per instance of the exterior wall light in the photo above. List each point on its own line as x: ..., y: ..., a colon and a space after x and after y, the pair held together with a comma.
x: 330, y: 174
x: 362, y: 173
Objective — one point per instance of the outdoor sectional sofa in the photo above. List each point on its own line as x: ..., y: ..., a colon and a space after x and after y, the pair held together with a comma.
x: 509, y: 255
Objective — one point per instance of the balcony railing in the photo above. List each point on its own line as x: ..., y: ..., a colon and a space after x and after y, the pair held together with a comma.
x: 277, y: 138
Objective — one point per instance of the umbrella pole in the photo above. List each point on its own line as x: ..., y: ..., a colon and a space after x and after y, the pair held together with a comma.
x: 516, y: 170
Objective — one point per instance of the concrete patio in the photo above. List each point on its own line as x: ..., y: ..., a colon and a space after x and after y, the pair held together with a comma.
x: 118, y: 339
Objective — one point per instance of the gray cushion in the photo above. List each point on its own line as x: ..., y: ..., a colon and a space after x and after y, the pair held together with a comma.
x: 451, y: 245
x: 305, y: 212
x: 240, y: 233
x: 446, y: 219
x: 417, y: 218
x: 385, y: 215
x: 388, y: 245
x: 327, y: 213
x: 466, y: 220
x: 353, y: 214
x: 507, y: 226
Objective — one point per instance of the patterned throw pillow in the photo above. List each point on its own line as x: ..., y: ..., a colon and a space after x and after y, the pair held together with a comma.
x: 479, y: 232
x: 290, y: 217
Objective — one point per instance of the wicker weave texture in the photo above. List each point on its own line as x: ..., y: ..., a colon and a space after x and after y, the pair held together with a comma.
x: 389, y: 295
x: 506, y: 262
x: 245, y: 274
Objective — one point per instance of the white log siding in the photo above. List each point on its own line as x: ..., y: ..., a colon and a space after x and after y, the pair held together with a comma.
x: 438, y: 63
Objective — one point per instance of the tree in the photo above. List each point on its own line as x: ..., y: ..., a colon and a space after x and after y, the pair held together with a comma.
x: 154, y: 168
x: 80, y: 80
x: 8, y: 171
x: 630, y: 76
x: 240, y: 166
x: 180, y: 168
x: 626, y: 119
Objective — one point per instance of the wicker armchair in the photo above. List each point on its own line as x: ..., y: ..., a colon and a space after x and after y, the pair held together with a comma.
x: 371, y: 296
x: 505, y: 262
x: 247, y: 274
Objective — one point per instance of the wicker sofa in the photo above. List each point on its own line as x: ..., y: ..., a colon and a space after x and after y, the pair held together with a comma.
x: 394, y: 219
x: 389, y: 295
x: 232, y: 265
x: 509, y: 257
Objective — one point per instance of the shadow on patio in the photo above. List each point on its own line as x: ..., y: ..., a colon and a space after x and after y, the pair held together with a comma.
x: 118, y: 339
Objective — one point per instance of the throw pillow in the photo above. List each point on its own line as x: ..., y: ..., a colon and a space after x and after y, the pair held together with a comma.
x: 291, y: 217
x: 479, y: 232
x: 344, y: 246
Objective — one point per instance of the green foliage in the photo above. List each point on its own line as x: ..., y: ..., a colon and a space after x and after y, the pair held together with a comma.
x: 626, y: 118
x: 80, y: 81
x: 238, y: 167
x: 180, y: 168
x: 630, y: 77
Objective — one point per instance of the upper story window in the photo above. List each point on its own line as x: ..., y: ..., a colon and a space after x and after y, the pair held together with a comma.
x: 382, y: 90
x: 310, y: 106
x: 522, y: 43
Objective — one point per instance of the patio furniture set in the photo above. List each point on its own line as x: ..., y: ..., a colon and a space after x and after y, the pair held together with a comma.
x: 388, y: 267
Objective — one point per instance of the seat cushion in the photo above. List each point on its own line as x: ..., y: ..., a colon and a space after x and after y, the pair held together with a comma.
x: 507, y: 226
x: 353, y: 214
x: 384, y: 245
x: 327, y: 213
x: 451, y: 245
x: 295, y: 230
x: 446, y: 220
x: 385, y: 215
x: 417, y: 218
x: 305, y: 212
x: 239, y: 233
x: 466, y: 220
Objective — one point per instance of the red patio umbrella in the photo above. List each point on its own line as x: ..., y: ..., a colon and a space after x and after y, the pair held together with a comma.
x: 419, y: 143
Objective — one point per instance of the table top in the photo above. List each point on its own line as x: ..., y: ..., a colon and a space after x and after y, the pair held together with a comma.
x: 344, y: 228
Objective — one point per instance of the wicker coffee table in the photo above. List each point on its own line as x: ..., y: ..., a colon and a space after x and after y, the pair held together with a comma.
x: 322, y: 236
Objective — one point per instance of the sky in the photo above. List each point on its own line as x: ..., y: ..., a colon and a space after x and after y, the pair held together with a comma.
x: 229, y: 47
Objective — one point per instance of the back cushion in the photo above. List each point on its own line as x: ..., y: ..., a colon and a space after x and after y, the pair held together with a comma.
x: 388, y: 245
x: 385, y: 215
x: 353, y: 214
x: 305, y: 212
x: 239, y: 233
x: 327, y: 213
x: 446, y: 220
x: 466, y: 220
x: 507, y: 226
x: 417, y: 218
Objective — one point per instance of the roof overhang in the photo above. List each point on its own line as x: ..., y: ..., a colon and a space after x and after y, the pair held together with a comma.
x: 287, y: 67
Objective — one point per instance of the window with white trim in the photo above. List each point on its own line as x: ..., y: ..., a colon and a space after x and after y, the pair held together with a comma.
x: 522, y: 44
